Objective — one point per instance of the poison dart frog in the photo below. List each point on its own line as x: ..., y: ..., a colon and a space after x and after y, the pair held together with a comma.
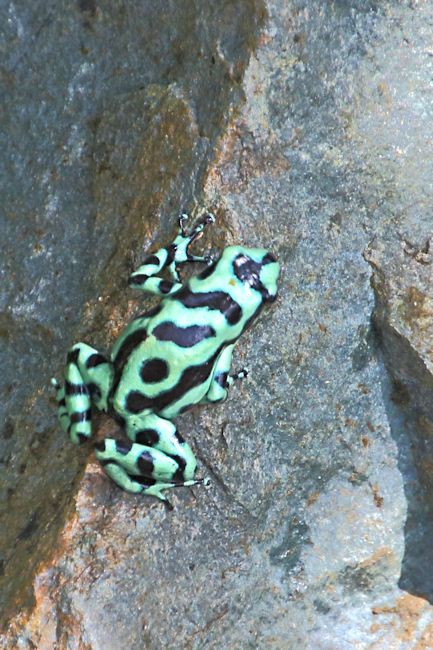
x: 166, y: 360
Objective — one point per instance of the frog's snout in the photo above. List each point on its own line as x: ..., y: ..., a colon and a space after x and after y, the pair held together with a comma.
x: 268, y: 259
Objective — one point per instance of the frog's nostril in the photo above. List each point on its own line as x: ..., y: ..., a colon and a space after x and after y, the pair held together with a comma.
x: 268, y: 259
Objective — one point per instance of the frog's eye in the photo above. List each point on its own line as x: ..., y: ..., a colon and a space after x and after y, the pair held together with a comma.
x: 247, y: 270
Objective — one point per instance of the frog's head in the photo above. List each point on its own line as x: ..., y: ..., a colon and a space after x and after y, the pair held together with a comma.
x: 256, y: 268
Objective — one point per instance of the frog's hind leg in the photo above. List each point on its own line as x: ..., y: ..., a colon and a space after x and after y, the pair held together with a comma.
x: 140, y: 469
x: 87, y: 381
x: 146, y: 278
x: 61, y: 404
x: 158, y: 458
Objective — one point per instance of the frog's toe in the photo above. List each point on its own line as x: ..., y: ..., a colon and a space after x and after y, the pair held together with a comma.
x: 184, y: 217
x: 203, y: 221
x: 209, y: 217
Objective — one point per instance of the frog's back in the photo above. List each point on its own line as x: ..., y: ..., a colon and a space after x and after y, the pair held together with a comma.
x: 163, y: 362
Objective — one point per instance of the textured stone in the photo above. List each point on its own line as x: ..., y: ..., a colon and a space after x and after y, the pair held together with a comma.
x: 315, y: 532
x: 109, y: 116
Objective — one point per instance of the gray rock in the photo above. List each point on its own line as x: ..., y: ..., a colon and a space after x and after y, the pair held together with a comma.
x: 95, y: 98
x: 314, y: 532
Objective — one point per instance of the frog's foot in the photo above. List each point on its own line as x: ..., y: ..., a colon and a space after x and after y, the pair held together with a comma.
x: 146, y: 277
x: 184, y: 240
x: 237, y: 375
x: 141, y: 469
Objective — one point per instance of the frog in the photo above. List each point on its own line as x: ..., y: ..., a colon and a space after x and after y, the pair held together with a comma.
x: 168, y: 359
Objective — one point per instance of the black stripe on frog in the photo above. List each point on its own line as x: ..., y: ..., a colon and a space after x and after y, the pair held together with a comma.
x: 153, y: 371
x: 219, y: 300
x: 184, y: 337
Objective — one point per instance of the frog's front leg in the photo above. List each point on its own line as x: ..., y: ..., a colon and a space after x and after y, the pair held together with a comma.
x: 183, y: 241
x: 146, y: 277
x: 157, y: 459
x: 221, y: 380
x: 88, y: 377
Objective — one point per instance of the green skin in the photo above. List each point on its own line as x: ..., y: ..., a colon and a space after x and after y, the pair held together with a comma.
x: 177, y: 355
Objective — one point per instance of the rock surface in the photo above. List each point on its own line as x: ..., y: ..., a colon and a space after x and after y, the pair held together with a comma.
x: 111, y: 114
x: 315, y: 532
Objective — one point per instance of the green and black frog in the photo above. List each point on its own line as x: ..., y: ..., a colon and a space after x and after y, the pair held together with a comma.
x: 166, y: 360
